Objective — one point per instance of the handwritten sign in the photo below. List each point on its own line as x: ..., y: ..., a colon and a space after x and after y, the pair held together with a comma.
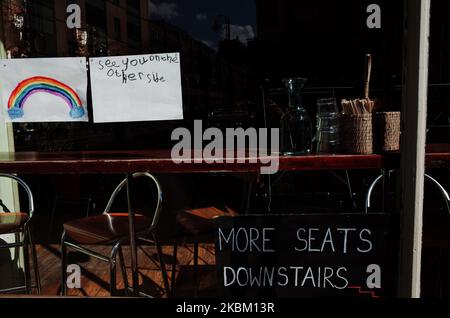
x: 43, y: 89
x: 307, y: 255
x: 136, y: 88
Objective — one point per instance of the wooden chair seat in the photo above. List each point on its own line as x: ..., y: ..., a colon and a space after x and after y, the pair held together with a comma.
x: 12, y: 222
x: 199, y: 222
x: 103, y: 228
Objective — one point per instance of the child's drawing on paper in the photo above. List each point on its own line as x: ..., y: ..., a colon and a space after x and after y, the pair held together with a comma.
x: 43, y: 90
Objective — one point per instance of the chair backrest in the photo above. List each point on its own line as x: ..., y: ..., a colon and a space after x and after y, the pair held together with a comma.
x: 27, y: 191
x: 159, y: 193
x: 441, y: 189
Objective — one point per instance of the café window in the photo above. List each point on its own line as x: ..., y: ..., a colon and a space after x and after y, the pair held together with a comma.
x: 324, y: 80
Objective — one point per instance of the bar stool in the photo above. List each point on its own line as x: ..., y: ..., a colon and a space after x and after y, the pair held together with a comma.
x: 19, y: 223
x: 113, y: 229
x: 196, y: 226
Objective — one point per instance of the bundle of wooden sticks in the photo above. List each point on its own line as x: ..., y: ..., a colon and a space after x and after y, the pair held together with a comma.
x: 361, y: 106
x: 357, y: 106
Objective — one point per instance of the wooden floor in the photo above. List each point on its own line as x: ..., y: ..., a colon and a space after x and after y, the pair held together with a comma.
x: 95, y: 273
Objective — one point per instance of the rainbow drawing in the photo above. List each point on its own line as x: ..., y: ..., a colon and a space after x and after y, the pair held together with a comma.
x: 41, y: 84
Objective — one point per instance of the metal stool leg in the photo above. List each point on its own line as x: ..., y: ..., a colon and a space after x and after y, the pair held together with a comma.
x: 196, y: 245
x: 35, y: 262
x: 112, y: 269
x: 124, y: 271
x: 162, y: 265
x: 174, y: 266
x: 26, y: 261
x: 112, y: 272
x: 63, y: 266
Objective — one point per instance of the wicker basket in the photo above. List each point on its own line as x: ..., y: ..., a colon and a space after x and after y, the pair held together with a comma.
x: 387, y: 131
x: 357, y: 137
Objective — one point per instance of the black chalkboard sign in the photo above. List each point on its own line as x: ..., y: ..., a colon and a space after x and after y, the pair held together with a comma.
x: 306, y: 255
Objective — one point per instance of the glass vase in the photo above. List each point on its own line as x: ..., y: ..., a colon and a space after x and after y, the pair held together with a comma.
x: 296, y: 125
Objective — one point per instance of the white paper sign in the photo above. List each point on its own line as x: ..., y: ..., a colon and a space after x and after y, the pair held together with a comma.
x: 43, y: 90
x: 136, y: 88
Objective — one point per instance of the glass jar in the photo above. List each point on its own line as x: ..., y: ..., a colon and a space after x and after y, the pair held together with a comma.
x: 296, y: 126
x: 327, y: 136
